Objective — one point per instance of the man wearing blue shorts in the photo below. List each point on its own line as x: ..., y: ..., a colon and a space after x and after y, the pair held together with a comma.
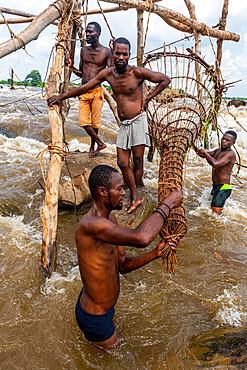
x: 102, y: 257
x: 222, y: 160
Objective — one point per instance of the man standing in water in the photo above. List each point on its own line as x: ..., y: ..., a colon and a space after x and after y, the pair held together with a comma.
x: 93, y: 59
x: 101, y: 254
x: 222, y: 160
x: 127, y: 85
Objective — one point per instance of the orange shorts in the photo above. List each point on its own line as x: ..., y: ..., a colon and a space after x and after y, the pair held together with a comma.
x: 91, y: 102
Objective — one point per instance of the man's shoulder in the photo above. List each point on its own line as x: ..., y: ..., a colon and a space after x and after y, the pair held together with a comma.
x: 90, y: 223
x: 140, y: 72
x: 233, y: 154
x: 106, y: 49
x: 230, y: 153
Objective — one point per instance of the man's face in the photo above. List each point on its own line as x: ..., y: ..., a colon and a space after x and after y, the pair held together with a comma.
x: 91, y: 34
x: 121, y: 56
x: 227, y: 141
x: 116, y: 193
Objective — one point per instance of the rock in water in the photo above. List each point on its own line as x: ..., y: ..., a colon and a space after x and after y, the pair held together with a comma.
x: 219, y: 349
x: 7, y: 133
x: 236, y: 102
x: 76, y: 171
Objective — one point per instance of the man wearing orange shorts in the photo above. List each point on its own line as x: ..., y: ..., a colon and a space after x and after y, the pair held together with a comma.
x: 93, y: 59
x: 91, y: 103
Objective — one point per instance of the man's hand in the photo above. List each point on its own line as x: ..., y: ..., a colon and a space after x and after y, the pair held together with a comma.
x: 145, y: 105
x: 68, y: 62
x: 111, y: 44
x: 53, y: 100
x: 174, y: 199
x: 173, y: 243
x: 200, y: 152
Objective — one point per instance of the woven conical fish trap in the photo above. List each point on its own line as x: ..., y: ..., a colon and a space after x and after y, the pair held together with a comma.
x: 181, y: 114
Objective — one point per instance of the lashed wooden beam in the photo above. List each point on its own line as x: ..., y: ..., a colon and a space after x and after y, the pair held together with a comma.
x: 17, y: 20
x: 16, y: 12
x: 33, y: 30
x: 89, y: 12
x: 179, y: 19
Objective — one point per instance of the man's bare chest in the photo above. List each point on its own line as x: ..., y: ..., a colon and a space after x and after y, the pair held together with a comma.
x: 125, y: 85
x: 96, y: 58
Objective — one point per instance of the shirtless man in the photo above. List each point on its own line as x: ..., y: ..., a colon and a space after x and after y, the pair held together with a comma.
x: 101, y: 254
x: 222, y: 160
x: 93, y: 59
x: 127, y: 85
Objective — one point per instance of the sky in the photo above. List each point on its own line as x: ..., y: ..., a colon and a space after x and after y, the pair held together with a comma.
x: 234, y: 60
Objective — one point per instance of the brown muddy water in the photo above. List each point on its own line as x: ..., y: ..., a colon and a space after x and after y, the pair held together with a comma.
x: 157, y: 313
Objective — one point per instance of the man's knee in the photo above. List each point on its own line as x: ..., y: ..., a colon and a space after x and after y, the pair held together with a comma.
x: 87, y: 128
x: 138, y: 162
x: 122, y: 163
x: 109, y: 343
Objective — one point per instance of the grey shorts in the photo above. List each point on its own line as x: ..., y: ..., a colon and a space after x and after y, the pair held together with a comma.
x: 133, y: 132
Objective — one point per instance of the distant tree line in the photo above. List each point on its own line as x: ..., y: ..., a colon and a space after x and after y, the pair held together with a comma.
x: 32, y: 79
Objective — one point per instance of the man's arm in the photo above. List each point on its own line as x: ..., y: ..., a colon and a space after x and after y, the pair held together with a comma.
x: 69, y: 64
x: 215, y: 163
x: 128, y: 264
x: 109, y: 62
x: 57, y: 99
x: 141, y: 237
x: 201, y: 152
x: 161, y: 79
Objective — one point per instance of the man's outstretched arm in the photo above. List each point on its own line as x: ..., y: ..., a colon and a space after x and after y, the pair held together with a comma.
x: 104, y: 230
x: 128, y: 264
x: 57, y: 99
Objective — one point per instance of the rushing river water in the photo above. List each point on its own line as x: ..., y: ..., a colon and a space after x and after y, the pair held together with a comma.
x: 157, y: 313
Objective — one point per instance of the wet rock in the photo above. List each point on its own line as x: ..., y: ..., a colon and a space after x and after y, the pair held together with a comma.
x: 7, y: 133
x: 76, y: 171
x: 219, y: 349
x: 140, y: 214
x: 236, y: 102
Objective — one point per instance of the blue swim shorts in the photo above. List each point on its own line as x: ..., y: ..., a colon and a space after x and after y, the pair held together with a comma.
x: 220, y: 194
x: 96, y: 328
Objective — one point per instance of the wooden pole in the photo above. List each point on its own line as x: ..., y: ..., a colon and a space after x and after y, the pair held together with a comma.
x: 16, y: 12
x: 198, y: 43
x: 49, y: 211
x: 139, y: 37
x: 17, y: 20
x: 222, y: 26
x: 112, y: 104
x: 12, y: 79
x: 32, y: 16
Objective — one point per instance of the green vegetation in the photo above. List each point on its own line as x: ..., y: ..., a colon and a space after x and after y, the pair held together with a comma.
x: 233, y: 98
x: 8, y: 82
x: 33, y: 78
